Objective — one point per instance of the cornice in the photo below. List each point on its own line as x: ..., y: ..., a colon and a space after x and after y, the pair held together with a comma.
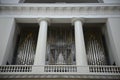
x: 60, y: 9
x: 61, y: 4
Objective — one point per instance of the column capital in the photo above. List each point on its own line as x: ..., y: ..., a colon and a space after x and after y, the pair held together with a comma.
x: 43, y: 19
x: 77, y: 19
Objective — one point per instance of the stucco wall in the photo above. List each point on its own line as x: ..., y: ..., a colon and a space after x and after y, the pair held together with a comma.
x: 7, y: 26
x: 113, y: 26
x: 9, y: 1
x: 111, y: 1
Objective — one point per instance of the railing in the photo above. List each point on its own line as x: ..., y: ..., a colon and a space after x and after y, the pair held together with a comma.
x: 60, y: 68
x: 57, y: 71
x: 18, y: 68
x: 37, y: 69
x: 104, y: 69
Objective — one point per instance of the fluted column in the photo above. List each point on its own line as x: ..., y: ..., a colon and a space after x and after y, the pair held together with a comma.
x: 81, y: 58
x: 41, y: 43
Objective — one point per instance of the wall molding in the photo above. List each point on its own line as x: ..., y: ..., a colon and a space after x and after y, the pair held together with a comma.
x: 20, y: 76
x: 60, y: 9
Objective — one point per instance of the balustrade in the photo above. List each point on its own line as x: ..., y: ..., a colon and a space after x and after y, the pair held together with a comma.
x: 104, y: 69
x: 15, y: 69
x: 60, y: 68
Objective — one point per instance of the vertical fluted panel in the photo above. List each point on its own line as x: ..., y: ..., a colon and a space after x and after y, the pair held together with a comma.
x: 95, y: 49
x: 60, y: 47
x: 26, y: 49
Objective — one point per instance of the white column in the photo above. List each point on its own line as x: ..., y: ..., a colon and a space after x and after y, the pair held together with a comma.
x: 41, y: 43
x: 81, y: 58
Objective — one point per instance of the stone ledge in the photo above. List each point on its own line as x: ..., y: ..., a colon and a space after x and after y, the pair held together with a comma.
x: 61, y: 76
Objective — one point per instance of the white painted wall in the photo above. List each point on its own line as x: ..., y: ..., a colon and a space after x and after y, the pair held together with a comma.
x: 108, y: 45
x: 113, y: 27
x: 12, y: 42
x: 111, y: 1
x: 9, y: 1
x: 7, y: 26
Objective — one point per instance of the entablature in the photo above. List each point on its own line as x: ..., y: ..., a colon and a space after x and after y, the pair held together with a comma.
x: 61, y: 9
